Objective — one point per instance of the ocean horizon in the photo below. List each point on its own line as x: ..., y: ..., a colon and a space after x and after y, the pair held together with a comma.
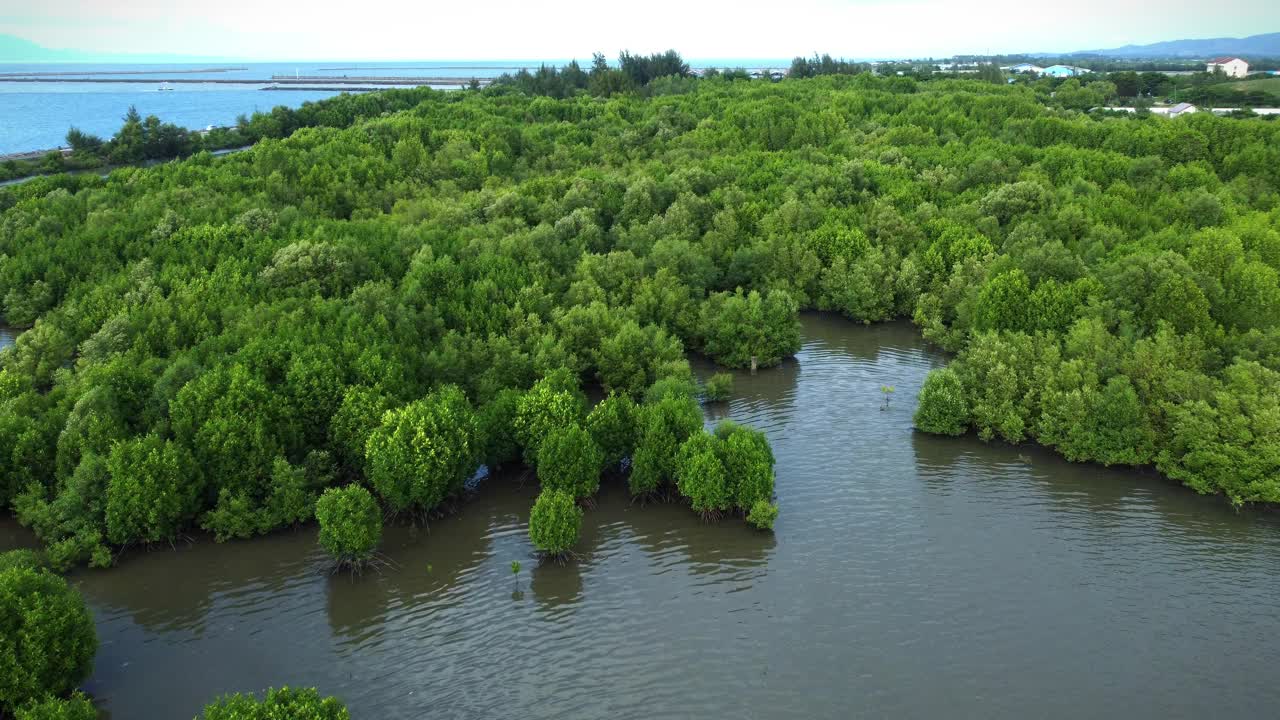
x: 36, y: 113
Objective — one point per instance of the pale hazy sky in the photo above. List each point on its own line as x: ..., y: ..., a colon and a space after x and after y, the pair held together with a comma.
x: 511, y: 29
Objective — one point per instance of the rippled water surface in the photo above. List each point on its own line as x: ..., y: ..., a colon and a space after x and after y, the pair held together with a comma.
x: 910, y: 576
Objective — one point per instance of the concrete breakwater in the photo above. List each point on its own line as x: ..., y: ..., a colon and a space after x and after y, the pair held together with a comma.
x: 381, y: 80
x: 33, y: 154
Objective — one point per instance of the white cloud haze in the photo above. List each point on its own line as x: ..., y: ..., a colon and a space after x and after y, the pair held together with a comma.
x: 512, y: 29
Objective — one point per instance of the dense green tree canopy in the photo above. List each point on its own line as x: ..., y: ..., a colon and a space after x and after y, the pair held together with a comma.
x: 379, y: 270
x: 570, y: 460
x: 350, y: 524
x: 76, y: 707
x: 425, y: 451
x: 47, y: 637
x: 612, y: 424
x: 555, y: 523
x: 278, y: 704
x: 943, y: 408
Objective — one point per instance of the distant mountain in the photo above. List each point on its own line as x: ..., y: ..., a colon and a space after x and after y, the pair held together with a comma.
x: 1267, y: 45
x: 14, y: 49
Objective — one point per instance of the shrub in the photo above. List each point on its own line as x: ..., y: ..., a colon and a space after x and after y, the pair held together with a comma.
x: 497, y: 424
x: 612, y: 424
x: 700, y: 476
x: 47, y: 638
x: 748, y: 463
x: 425, y: 451
x: 291, y: 498
x: 943, y: 409
x: 234, y: 516
x: 677, y: 386
x: 283, y: 704
x: 664, y: 426
x: 21, y: 559
x: 762, y: 514
x: 718, y: 387
x: 360, y: 413
x: 350, y: 524
x: 736, y: 327
x: 552, y: 402
x: 153, y: 490
x: 76, y: 707
x: 570, y: 460
x: 554, y: 523
x: 647, y: 471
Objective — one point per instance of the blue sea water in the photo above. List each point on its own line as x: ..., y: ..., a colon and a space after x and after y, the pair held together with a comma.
x: 37, y: 115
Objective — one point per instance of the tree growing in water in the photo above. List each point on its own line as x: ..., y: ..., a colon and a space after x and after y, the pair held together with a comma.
x: 745, y: 329
x: 664, y: 426
x: 555, y: 524
x: 612, y: 424
x: 279, y: 704
x: 718, y: 387
x: 701, y: 477
x: 763, y: 514
x: 47, y: 637
x: 350, y: 525
x: 553, y: 402
x: 425, y: 451
x: 570, y: 460
x: 943, y: 409
x: 76, y: 707
x: 748, y: 461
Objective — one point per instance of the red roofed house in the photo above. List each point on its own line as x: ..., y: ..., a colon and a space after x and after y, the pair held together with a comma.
x: 1230, y: 66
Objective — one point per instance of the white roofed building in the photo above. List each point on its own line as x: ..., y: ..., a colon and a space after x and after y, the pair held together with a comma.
x: 1232, y: 67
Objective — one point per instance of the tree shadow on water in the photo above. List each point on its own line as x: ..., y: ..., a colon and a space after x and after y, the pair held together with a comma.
x: 556, y: 586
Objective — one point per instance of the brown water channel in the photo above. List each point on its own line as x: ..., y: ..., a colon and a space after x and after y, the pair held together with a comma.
x: 910, y: 576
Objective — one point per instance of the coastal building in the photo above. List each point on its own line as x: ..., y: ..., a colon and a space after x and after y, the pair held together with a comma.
x: 1230, y: 66
x: 1062, y: 71
x: 1265, y: 112
x: 1170, y: 111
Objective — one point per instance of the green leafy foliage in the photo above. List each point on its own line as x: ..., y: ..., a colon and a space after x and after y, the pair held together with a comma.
x: 290, y: 499
x: 553, y: 402
x: 555, y: 523
x: 763, y: 514
x: 612, y: 424
x: 731, y: 468
x: 663, y: 427
x: 285, y: 702
x: 21, y: 559
x: 718, y: 387
x: 47, y: 637
x: 76, y: 707
x: 154, y: 490
x: 701, y: 477
x: 424, y: 452
x: 737, y: 327
x: 1108, y: 284
x: 496, y: 423
x: 350, y: 524
x: 748, y: 461
x: 943, y: 408
x: 570, y: 460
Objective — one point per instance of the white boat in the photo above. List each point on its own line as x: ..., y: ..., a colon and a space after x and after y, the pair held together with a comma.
x: 164, y: 86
